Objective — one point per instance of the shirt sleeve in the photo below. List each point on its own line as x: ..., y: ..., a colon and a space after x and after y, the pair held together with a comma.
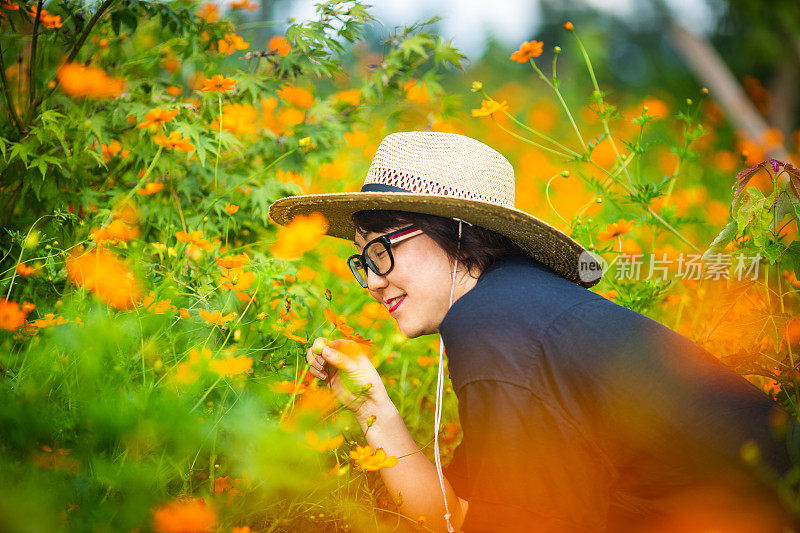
x: 523, y: 466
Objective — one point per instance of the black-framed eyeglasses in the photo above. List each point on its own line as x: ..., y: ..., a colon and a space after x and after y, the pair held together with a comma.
x: 377, y: 254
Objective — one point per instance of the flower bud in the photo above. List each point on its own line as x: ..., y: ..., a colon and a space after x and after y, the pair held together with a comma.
x: 557, y: 49
x: 568, y: 26
x: 476, y: 86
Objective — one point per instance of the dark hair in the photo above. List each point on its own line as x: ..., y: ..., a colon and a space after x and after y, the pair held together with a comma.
x: 480, y: 247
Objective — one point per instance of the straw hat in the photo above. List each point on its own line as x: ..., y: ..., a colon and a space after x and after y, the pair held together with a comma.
x: 452, y: 176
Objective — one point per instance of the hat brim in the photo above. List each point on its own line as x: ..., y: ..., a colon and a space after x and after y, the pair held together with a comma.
x: 539, y: 239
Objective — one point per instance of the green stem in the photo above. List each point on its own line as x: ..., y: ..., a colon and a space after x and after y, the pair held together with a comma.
x: 251, y: 176
x: 563, y: 104
x: 219, y: 141
x: 534, y: 143
x: 547, y: 195
x: 601, y: 102
x: 542, y: 135
x: 205, y: 394
x: 22, y: 251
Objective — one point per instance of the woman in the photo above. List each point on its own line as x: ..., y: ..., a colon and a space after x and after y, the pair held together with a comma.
x: 577, y: 414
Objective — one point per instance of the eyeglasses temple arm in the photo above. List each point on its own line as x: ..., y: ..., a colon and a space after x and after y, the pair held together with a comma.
x: 401, y: 238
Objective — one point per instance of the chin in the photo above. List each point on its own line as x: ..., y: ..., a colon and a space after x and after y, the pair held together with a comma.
x: 412, y: 331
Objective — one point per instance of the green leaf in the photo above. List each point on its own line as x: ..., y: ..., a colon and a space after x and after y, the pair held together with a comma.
x: 414, y: 45
x: 792, y: 257
x: 722, y: 240
x: 772, y: 252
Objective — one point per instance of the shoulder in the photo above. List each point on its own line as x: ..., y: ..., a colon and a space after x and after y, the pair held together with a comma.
x: 515, y: 292
x: 494, y: 330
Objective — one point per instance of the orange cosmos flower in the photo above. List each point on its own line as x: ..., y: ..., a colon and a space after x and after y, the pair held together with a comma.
x: 216, y: 317
x: 356, y: 138
x: 237, y: 118
x: 244, y: 4
x: 242, y: 529
x: 218, y: 83
x: 527, y: 50
x: 24, y: 270
x: 46, y: 19
x: 230, y: 366
x: 488, y: 107
x: 236, y: 279
x: 27, y: 307
x: 416, y: 91
x: 196, y: 238
x: 288, y: 331
x: 104, y: 274
x: 322, y: 445
x: 233, y: 261
x: 230, y: 43
x: 174, y: 90
x: 615, y: 230
x: 80, y: 81
x: 367, y: 458
x: 156, y: 306
x: 350, y: 96
x: 289, y: 117
x: 300, y: 235
x: 156, y: 117
x: 296, y: 96
x: 175, y: 140
x: 226, y: 484
x: 209, y: 11
x: 150, y: 188
x: 50, y: 319
x: 306, y: 273
x: 112, y: 150
x: 279, y: 45
x: 11, y: 315
x: 116, y: 231
x: 231, y: 209
x: 185, y: 516
x: 655, y: 108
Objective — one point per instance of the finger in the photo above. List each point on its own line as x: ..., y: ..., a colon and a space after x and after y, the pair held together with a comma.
x: 318, y: 374
x: 334, y: 357
x: 319, y: 344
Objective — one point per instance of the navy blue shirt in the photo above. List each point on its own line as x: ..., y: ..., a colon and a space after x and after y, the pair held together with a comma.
x: 581, y: 415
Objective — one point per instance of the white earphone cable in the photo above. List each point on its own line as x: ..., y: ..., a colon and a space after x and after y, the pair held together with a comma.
x: 437, y: 417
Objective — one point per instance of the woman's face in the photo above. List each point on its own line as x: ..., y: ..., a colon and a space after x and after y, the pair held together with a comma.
x: 417, y: 290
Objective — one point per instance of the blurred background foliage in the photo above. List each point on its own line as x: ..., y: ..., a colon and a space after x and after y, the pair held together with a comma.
x: 155, y: 321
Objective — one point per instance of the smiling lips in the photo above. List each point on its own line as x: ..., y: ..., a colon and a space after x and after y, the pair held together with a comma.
x: 395, y: 303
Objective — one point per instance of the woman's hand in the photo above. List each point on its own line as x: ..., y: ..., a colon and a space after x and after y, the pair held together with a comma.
x: 352, y: 376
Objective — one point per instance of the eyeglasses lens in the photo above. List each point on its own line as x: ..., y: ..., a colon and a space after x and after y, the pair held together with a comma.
x: 378, y: 257
x: 359, y: 270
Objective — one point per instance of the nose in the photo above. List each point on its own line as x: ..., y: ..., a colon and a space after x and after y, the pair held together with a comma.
x: 375, y: 282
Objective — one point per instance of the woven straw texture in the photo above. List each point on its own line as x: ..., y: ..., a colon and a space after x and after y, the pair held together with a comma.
x: 448, y: 175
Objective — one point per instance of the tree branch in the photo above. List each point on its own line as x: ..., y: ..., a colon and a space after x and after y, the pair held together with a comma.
x: 32, y: 64
x: 11, y: 109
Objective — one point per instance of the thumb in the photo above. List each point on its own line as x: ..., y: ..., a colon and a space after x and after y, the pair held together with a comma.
x: 335, y: 358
